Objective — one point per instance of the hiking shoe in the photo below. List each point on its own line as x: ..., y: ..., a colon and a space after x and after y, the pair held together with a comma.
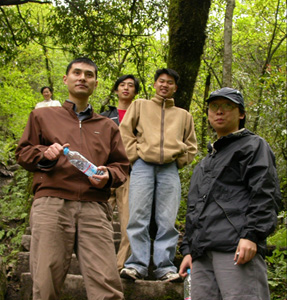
x: 171, y: 277
x: 131, y: 274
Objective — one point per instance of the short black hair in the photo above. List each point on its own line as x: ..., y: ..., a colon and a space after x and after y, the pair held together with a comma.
x: 85, y: 60
x: 124, y: 77
x: 46, y: 87
x: 167, y: 71
x: 242, y: 121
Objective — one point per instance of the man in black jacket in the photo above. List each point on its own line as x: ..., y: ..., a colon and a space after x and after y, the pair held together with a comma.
x: 232, y: 208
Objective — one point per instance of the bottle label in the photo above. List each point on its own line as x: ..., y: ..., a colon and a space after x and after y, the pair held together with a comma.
x: 90, y: 170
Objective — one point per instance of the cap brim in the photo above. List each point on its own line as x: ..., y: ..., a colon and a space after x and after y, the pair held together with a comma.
x: 222, y: 96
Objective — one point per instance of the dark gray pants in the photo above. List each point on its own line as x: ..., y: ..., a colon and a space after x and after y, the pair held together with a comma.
x: 214, y: 276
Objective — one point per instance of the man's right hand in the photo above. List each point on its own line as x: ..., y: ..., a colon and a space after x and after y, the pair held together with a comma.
x: 185, y: 264
x: 54, y: 151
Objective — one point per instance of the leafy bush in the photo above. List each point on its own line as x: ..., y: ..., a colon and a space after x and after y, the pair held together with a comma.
x: 277, y: 265
x: 14, y: 213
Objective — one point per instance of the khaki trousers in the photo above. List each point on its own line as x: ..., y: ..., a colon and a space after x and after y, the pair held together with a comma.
x: 60, y: 226
x: 120, y: 197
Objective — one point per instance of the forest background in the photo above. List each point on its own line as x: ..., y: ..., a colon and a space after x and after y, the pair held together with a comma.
x: 211, y: 44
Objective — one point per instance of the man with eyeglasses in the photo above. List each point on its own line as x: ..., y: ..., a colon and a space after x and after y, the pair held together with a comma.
x: 232, y: 208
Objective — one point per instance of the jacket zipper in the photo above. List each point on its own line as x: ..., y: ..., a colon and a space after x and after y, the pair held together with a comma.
x: 80, y: 127
x: 162, y: 132
x: 213, y: 153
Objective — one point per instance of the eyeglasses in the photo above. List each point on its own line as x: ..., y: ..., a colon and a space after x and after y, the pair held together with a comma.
x: 224, y: 106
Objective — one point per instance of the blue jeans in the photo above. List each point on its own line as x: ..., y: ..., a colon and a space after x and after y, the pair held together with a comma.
x: 148, y: 183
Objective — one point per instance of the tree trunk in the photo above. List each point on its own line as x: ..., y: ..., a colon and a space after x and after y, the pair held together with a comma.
x: 187, y: 23
x: 202, y: 144
x: 227, y: 57
x: 48, y: 69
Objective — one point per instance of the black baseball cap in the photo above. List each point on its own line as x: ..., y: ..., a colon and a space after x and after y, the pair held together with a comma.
x: 228, y: 93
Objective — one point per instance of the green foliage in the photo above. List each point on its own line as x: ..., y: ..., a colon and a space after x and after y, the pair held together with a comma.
x: 279, y: 238
x: 14, y: 213
x: 117, y: 35
x: 277, y: 264
x: 277, y: 274
x: 185, y: 176
x: 38, y: 41
x: 19, y: 26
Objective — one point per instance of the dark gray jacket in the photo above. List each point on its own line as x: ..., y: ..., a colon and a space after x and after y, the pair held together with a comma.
x: 112, y: 114
x: 234, y: 192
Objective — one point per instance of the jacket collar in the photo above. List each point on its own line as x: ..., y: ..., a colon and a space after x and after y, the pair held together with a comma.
x: 169, y: 102
x: 112, y: 107
x: 224, y: 140
x: 71, y: 107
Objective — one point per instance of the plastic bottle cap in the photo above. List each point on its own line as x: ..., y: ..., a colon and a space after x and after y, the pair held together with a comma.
x: 188, y: 271
x: 66, y: 150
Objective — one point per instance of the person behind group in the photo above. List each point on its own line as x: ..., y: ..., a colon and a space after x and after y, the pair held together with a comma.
x: 70, y: 211
x: 159, y: 139
x: 232, y: 208
x: 47, y: 92
x: 126, y: 87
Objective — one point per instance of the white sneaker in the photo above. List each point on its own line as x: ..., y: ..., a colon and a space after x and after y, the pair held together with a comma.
x: 130, y: 273
x: 171, y: 277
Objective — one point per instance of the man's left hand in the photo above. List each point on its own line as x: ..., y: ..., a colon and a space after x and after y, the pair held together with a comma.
x: 99, y: 181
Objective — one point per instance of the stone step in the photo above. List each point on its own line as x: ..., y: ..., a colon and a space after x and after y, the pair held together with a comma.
x: 74, y: 289
x: 23, y: 265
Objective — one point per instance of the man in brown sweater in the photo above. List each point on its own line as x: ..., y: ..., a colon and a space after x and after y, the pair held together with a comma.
x: 70, y: 210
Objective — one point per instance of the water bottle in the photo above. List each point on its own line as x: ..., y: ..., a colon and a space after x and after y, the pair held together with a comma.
x: 187, y: 286
x: 80, y: 162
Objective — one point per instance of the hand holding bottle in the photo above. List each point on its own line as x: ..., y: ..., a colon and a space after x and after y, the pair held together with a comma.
x: 54, y: 151
x: 98, y: 176
x: 99, y: 181
x: 185, y: 264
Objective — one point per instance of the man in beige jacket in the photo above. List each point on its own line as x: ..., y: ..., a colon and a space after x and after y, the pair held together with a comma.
x: 159, y: 139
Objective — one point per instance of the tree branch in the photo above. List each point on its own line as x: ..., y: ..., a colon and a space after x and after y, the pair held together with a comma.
x: 10, y: 27
x: 210, y: 68
x: 19, y: 2
x: 269, y: 51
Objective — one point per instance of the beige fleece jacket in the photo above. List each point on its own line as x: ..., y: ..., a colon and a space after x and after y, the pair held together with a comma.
x: 158, y: 132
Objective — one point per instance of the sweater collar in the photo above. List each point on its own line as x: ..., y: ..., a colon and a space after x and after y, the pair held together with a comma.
x: 159, y: 100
